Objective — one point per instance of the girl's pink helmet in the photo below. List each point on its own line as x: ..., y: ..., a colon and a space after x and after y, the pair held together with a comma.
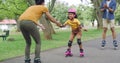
x: 72, y: 10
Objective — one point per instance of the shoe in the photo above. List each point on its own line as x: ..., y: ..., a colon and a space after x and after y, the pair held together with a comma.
x: 37, y: 61
x: 103, y: 44
x: 68, y: 53
x: 115, y: 44
x: 27, y: 61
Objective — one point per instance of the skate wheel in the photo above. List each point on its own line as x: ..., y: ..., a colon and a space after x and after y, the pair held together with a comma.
x: 66, y: 55
x: 81, y: 55
x: 69, y: 55
x: 115, y: 48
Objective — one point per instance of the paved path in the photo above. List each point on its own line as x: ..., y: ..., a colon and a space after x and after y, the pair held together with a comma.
x: 93, y: 54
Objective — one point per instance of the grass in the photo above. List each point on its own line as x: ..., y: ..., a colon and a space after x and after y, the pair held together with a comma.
x: 10, y: 49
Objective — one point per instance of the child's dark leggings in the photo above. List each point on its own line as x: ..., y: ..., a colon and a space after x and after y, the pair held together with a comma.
x: 28, y: 28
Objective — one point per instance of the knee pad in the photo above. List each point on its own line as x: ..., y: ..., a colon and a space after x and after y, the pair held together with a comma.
x: 79, y: 41
x: 69, y: 43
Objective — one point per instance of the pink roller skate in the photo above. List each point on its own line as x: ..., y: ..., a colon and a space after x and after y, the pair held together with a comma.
x: 68, y: 53
x: 81, y: 54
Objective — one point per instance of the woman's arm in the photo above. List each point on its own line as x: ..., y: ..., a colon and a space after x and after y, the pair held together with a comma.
x: 52, y: 19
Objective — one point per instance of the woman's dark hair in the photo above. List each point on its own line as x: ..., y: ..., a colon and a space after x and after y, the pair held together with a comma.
x: 73, y: 13
x: 39, y: 2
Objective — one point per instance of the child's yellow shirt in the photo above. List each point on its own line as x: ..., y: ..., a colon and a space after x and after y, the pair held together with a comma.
x: 73, y: 24
x: 33, y: 13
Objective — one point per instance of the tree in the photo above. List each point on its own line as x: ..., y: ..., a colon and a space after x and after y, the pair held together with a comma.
x: 12, y: 9
x: 117, y: 14
x: 98, y: 13
x: 30, y: 2
x: 118, y: 1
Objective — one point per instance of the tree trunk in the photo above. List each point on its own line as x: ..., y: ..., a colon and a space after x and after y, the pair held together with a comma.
x: 98, y: 13
x: 47, y: 33
x: 18, y: 27
x: 118, y: 1
x: 49, y: 29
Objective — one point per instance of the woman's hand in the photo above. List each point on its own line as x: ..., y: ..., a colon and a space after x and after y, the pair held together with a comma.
x: 59, y: 24
x: 41, y: 26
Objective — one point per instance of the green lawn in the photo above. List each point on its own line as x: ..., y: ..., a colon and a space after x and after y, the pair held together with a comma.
x: 10, y: 49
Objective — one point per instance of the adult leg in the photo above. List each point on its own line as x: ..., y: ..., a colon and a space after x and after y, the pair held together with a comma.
x: 28, y: 44
x: 104, y: 33
x: 112, y: 27
x: 105, y: 24
x: 113, y: 34
x: 36, y: 36
x: 27, y: 38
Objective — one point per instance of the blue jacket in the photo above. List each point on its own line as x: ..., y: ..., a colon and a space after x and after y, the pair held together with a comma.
x: 108, y: 15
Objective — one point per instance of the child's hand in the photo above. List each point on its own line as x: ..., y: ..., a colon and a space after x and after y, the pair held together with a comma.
x: 62, y: 25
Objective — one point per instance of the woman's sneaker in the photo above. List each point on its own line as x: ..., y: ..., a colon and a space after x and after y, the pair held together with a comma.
x: 103, y: 44
x: 27, y: 61
x: 68, y: 53
x: 115, y: 44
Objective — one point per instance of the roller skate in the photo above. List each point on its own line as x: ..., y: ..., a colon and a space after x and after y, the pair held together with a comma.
x: 103, y: 44
x: 115, y: 44
x: 68, y: 53
x: 27, y: 61
x: 37, y: 60
x: 81, y: 53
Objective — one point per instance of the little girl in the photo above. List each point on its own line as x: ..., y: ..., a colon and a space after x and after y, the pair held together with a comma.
x: 76, y: 31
